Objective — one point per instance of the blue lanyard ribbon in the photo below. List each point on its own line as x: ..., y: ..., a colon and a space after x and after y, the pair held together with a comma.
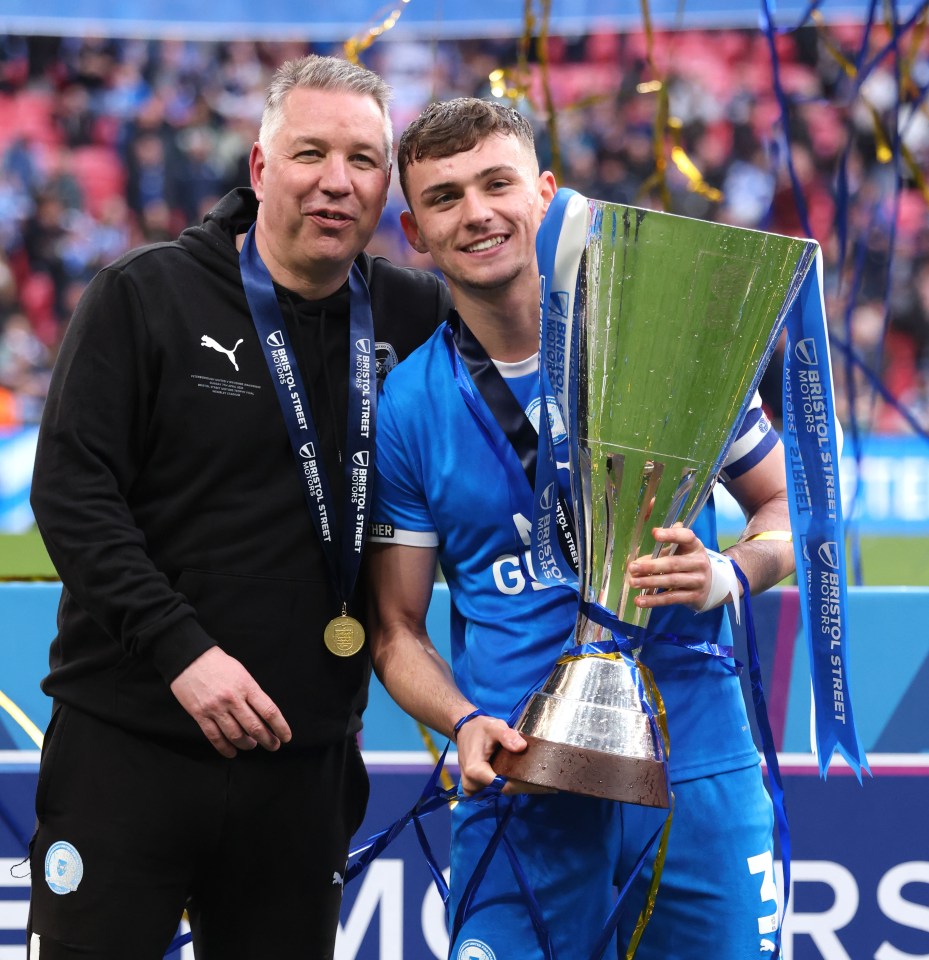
x: 603, y: 941
x: 628, y: 637
x: 344, y: 560
x: 816, y: 519
x: 767, y: 744
x: 560, y: 244
x: 431, y: 799
x: 513, y: 441
x: 552, y: 559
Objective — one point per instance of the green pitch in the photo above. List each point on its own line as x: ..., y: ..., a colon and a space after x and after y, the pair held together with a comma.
x: 23, y: 557
x: 886, y: 561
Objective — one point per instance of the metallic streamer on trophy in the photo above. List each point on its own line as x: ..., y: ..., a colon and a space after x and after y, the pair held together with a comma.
x: 361, y: 41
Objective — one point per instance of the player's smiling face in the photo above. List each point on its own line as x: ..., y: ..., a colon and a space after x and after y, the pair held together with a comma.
x: 477, y: 212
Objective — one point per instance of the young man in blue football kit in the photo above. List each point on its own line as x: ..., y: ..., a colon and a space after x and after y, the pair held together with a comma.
x: 476, y: 198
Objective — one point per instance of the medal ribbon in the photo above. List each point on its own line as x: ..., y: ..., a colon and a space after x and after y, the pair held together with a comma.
x: 345, y: 559
x: 816, y: 519
x: 553, y: 554
x: 767, y: 746
x: 507, y: 412
x: 560, y: 244
x: 508, y: 431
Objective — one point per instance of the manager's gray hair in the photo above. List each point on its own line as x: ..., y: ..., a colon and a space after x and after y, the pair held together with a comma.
x: 322, y: 73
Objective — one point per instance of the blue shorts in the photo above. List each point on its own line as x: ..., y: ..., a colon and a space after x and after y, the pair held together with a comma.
x: 716, y: 898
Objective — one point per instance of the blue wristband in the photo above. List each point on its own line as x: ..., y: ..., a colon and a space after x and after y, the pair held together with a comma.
x: 465, y: 719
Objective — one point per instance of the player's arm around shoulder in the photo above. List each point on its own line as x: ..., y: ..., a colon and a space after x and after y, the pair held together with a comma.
x: 399, y: 580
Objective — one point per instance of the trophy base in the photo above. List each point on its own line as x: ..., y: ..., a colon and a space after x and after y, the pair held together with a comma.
x: 588, y: 772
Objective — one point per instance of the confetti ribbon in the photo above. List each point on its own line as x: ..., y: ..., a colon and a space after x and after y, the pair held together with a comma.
x: 354, y: 46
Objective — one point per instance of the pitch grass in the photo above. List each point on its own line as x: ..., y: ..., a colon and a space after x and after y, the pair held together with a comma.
x: 23, y: 557
x: 888, y: 561
x: 885, y: 561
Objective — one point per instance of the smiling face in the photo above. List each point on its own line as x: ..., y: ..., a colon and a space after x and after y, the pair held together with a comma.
x: 322, y: 185
x: 477, y: 213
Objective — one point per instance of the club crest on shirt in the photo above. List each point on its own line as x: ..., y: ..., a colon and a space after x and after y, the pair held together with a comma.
x: 475, y: 950
x: 554, y: 418
x: 385, y: 359
x: 64, y: 868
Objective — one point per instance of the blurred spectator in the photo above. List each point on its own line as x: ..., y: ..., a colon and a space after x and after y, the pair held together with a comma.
x: 16, y: 207
x: 153, y: 178
x: 154, y: 223
x: 20, y: 163
x: 58, y: 179
x: 8, y: 294
x: 24, y: 372
x: 14, y: 63
x: 73, y: 116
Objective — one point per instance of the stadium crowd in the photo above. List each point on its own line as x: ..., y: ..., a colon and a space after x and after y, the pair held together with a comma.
x: 106, y: 144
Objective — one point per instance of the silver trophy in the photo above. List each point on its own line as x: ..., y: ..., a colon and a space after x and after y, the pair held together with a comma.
x: 677, y: 319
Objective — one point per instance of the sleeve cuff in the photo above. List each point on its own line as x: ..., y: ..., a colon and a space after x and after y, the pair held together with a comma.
x: 175, y: 647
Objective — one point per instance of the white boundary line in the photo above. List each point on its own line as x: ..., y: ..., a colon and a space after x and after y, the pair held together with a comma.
x: 18, y: 758
x: 421, y: 758
x: 877, y: 761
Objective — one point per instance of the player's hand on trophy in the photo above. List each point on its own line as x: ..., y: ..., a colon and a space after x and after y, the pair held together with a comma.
x: 681, y: 573
x: 478, y: 741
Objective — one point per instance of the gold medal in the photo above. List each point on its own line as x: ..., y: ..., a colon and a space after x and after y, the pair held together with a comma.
x: 344, y: 635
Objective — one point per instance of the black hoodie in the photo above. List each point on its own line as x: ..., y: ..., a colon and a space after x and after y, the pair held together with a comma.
x: 167, y: 493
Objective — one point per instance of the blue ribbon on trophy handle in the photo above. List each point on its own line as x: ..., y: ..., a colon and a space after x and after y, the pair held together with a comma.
x: 812, y: 439
x: 560, y: 249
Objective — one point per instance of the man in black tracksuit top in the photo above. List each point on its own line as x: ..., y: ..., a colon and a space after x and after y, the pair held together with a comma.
x: 202, y: 752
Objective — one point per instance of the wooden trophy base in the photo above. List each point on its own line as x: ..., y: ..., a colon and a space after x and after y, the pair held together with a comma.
x: 588, y: 772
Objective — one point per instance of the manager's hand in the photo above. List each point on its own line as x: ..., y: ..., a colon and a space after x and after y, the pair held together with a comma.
x: 233, y: 712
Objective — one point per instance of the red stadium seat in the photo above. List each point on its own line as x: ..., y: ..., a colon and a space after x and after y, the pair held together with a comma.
x: 100, y: 173
x: 37, y: 296
x: 28, y: 113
